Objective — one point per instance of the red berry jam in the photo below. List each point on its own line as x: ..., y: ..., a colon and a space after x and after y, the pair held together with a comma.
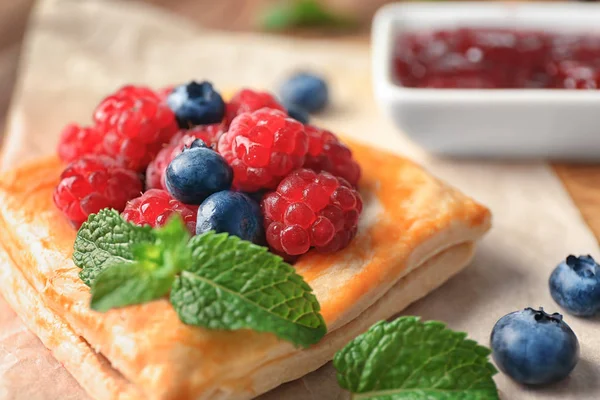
x: 497, y: 59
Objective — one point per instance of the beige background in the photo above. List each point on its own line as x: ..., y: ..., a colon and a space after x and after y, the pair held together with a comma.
x: 68, y: 66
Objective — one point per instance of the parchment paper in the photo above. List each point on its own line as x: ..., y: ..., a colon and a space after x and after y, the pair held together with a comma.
x: 78, y: 51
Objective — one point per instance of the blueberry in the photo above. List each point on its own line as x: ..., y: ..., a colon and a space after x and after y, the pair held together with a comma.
x: 197, y: 173
x: 232, y: 212
x: 575, y: 285
x: 305, y: 90
x: 298, y: 113
x: 534, y: 347
x: 196, y: 104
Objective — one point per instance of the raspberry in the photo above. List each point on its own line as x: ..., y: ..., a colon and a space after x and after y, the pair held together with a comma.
x: 155, y: 207
x: 327, y: 153
x: 247, y: 100
x: 136, y: 123
x: 76, y: 141
x: 209, y: 134
x: 92, y: 183
x: 311, y: 209
x: 262, y: 148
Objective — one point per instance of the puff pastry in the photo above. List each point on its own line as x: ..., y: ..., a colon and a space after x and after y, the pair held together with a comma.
x: 414, y: 234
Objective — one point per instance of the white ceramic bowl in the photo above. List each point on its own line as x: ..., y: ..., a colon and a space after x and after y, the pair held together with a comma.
x: 549, y: 123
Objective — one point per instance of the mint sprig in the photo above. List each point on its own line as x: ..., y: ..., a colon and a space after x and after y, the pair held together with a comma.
x: 151, y: 274
x: 234, y: 284
x: 216, y: 281
x: 106, y: 239
x: 303, y: 13
x: 412, y: 360
x: 127, y: 284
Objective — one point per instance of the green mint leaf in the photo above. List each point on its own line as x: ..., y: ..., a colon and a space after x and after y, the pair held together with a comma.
x: 106, y: 239
x: 152, y: 273
x: 303, y: 13
x: 172, y: 239
x: 233, y: 284
x: 122, y: 285
x: 412, y: 360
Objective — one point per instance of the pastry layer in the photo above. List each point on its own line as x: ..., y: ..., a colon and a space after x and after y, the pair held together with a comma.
x: 99, y: 379
x: 408, y: 218
x: 92, y: 370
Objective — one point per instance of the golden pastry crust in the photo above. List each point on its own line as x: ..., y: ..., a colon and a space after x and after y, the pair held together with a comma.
x: 409, y: 218
x: 92, y: 370
x: 96, y: 375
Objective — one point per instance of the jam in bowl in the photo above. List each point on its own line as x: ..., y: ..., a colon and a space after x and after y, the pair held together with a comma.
x: 482, y: 58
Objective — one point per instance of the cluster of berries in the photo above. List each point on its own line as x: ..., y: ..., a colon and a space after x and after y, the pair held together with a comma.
x: 245, y: 167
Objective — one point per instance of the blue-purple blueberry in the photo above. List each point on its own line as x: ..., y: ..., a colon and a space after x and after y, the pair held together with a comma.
x: 196, y: 104
x: 575, y: 285
x: 534, y: 347
x: 197, y: 173
x: 232, y: 212
x: 305, y: 90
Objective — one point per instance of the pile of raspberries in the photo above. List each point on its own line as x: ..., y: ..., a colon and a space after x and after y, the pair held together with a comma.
x: 303, y: 176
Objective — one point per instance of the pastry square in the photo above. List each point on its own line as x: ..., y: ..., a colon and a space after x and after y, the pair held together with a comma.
x: 414, y: 234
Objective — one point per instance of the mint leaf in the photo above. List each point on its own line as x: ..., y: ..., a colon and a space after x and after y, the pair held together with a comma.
x: 172, y: 240
x: 106, y: 239
x: 122, y: 285
x: 411, y: 360
x: 233, y: 284
x: 150, y: 276
x: 303, y: 13
x: 216, y: 281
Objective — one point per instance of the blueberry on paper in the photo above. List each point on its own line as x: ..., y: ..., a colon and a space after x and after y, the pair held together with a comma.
x: 196, y: 104
x: 297, y: 113
x: 231, y: 212
x: 305, y: 90
x: 575, y: 285
x: 197, y: 173
x: 534, y: 347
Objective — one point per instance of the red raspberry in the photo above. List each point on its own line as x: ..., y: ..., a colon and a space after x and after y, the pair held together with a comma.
x: 209, y: 134
x: 136, y: 123
x: 262, y: 148
x: 155, y: 207
x: 311, y: 210
x: 327, y: 153
x: 92, y: 183
x: 76, y: 141
x: 247, y: 100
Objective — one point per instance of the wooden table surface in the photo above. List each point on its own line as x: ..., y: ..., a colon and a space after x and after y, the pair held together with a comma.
x: 581, y: 181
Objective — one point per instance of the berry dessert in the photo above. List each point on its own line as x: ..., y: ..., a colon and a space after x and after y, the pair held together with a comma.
x: 196, y: 173
x: 306, y: 91
x: 186, y: 293
x: 311, y: 210
x: 247, y: 100
x: 155, y: 207
x: 263, y: 147
x: 196, y: 104
x: 470, y: 58
x: 327, y: 153
x: 534, y: 347
x: 231, y: 212
x: 575, y: 285
x: 92, y: 183
x: 155, y: 172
